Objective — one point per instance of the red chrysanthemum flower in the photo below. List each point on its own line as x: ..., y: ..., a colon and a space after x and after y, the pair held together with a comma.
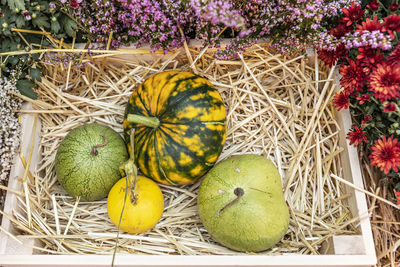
x: 329, y: 57
x: 370, y: 25
x: 340, y: 30
x: 369, y: 57
x: 394, y: 56
x: 363, y: 98
x: 73, y: 3
x: 390, y: 107
x: 366, y: 119
x: 394, y: 7
x: 341, y: 100
x: 341, y: 51
x: 392, y: 24
x: 385, y: 82
x: 397, y: 194
x: 373, y: 5
x: 352, y: 14
x: 353, y: 77
x: 386, y: 154
x: 356, y: 136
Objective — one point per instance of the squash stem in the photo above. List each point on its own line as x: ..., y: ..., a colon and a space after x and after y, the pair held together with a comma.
x: 239, y: 192
x: 94, y: 151
x: 148, y: 121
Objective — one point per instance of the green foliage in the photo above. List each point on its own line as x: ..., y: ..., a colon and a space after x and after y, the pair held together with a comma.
x: 41, y: 21
x: 25, y: 87
x: 13, y: 4
x: 28, y: 15
x: 35, y: 74
x: 55, y: 26
x: 69, y: 25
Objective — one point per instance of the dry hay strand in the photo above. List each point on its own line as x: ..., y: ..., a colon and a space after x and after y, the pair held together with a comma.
x: 385, y: 220
x: 277, y: 107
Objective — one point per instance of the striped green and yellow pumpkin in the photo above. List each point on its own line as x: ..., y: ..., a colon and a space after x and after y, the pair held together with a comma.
x: 180, y: 126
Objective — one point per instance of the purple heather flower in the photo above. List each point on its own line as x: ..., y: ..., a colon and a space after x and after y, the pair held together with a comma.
x: 375, y: 39
x: 159, y: 22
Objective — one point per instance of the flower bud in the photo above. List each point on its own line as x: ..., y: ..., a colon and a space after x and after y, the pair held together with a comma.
x: 34, y: 15
x: 27, y: 15
x: 38, y: 8
x: 2, y: 65
x: 53, y: 19
x: 17, y: 10
x: 52, y: 10
x: 5, y: 25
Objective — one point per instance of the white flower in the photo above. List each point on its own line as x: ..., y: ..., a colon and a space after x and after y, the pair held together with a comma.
x: 10, y: 128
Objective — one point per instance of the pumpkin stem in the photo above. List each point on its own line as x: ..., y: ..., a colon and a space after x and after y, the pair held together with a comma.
x: 139, y: 119
x: 239, y: 192
x: 94, y: 151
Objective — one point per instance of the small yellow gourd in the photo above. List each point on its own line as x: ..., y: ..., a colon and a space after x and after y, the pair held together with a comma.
x: 144, y: 204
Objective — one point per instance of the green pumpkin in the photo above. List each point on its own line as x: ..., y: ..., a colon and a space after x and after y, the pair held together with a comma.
x: 180, y: 126
x: 88, y: 160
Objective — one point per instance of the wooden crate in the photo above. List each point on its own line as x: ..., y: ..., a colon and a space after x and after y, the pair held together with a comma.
x: 355, y: 250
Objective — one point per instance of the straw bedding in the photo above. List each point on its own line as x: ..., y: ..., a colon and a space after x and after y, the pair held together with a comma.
x: 277, y: 107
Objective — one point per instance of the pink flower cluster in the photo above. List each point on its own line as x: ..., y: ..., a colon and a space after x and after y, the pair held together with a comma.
x: 166, y: 24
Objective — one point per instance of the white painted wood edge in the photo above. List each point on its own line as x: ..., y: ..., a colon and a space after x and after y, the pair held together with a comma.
x: 174, y: 260
x: 8, y: 244
x: 344, y: 118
